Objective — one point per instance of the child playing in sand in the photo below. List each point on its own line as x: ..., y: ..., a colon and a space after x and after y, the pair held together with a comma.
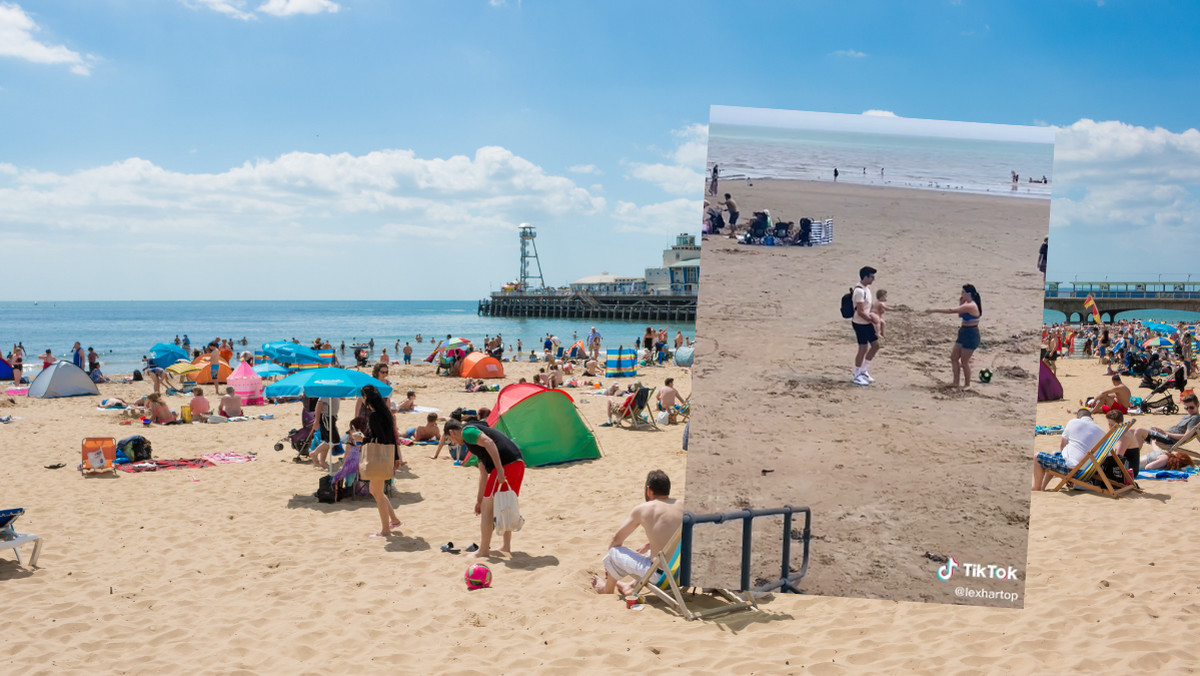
x: 877, y: 309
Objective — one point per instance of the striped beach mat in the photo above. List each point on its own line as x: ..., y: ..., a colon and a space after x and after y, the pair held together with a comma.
x: 621, y: 362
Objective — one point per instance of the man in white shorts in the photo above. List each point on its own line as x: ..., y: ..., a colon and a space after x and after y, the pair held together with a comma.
x: 660, y: 516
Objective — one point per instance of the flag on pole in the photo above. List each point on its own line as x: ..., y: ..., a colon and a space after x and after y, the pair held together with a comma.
x: 1091, y: 304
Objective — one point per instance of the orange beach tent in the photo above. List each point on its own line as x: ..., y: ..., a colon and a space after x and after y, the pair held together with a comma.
x: 479, y: 365
x: 204, y: 375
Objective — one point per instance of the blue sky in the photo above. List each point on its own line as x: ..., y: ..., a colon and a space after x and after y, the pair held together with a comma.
x: 227, y: 148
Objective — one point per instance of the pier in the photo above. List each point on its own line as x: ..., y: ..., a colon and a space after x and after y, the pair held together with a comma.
x: 583, y: 305
x: 1113, y: 298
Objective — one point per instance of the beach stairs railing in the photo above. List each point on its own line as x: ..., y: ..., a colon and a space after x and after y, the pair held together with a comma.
x: 788, y: 579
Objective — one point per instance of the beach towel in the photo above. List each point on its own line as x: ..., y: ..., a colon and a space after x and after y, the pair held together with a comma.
x: 155, y: 465
x: 422, y: 409
x: 1168, y: 474
x: 1048, y: 429
x: 225, y: 457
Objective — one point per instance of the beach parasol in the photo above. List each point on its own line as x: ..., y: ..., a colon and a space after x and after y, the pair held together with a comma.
x: 1158, y: 342
x: 165, y: 354
x: 183, y: 368
x: 329, y: 382
x: 456, y: 344
x: 291, y: 353
x: 268, y: 370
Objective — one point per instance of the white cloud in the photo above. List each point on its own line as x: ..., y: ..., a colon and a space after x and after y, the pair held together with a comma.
x: 685, y: 174
x: 17, y: 40
x: 666, y: 218
x: 387, y: 192
x: 292, y: 7
x: 849, y: 54
x: 1118, y: 185
x: 585, y: 169
x: 879, y: 113
x: 232, y: 8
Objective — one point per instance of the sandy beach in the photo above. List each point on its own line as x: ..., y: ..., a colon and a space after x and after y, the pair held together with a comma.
x: 905, y: 473
x: 237, y: 569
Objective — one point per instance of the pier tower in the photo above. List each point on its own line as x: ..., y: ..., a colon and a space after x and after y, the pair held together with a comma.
x: 529, y: 259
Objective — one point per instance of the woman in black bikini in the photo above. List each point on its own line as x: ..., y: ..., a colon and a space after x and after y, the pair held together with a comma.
x: 970, y: 308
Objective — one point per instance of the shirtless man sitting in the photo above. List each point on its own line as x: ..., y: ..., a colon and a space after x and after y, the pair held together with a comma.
x: 231, y: 404
x: 1115, y: 398
x: 660, y: 516
x: 592, y: 368
x: 667, y: 397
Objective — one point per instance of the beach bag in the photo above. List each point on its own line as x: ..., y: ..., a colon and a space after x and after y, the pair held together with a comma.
x: 377, y: 462
x: 136, y: 448
x: 329, y: 490
x: 848, y: 305
x: 507, y: 516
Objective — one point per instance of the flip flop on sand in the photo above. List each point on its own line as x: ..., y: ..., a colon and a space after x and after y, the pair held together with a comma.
x: 56, y: 466
x: 379, y: 535
x: 449, y: 548
x: 473, y: 548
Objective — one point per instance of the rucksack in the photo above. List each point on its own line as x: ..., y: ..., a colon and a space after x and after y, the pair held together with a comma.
x: 136, y: 448
x: 848, y: 304
x: 329, y: 490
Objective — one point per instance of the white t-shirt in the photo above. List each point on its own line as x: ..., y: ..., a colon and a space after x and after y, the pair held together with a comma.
x: 861, y: 294
x: 1081, y: 435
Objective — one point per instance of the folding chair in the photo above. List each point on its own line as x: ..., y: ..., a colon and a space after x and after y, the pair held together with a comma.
x: 684, y: 410
x: 11, y: 539
x: 99, y: 453
x: 1187, y: 436
x: 635, y: 413
x: 667, y: 585
x: 1086, y: 471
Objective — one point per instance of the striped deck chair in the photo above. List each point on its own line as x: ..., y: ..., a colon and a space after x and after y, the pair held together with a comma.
x: 684, y: 410
x: 637, y: 414
x: 1187, y: 436
x: 666, y: 571
x: 1087, y: 471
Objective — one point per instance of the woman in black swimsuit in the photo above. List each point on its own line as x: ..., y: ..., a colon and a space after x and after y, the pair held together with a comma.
x: 970, y: 308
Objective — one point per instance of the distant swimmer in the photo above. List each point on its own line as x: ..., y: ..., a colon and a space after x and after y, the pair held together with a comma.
x: 835, y: 174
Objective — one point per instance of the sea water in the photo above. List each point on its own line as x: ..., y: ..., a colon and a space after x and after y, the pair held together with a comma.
x: 967, y: 165
x: 123, y: 331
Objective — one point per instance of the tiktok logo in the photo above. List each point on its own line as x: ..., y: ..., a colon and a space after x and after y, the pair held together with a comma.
x: 947, y: 571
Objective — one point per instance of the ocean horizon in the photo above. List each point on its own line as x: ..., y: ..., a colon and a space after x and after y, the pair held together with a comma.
x: 123, y: 331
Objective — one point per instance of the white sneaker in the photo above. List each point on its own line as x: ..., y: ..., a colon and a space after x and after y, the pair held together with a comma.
x: 861, y: 380
x: 868, y: 377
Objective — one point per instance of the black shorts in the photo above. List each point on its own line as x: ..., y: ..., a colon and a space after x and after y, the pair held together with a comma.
x: 330, y: 433
x: 865, y: 333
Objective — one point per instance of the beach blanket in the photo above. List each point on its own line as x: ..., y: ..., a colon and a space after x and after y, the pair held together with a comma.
x: 1048, y: 429
x: 18, y: 391
x: 225, y: 457
x: 1168, y: 474
x: 155, y: 465
x: 410, y: 442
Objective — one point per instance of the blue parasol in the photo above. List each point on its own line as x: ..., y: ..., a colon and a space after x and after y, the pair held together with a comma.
x: 268, y: 370
x: 334, y: 383
x: 165, y: 354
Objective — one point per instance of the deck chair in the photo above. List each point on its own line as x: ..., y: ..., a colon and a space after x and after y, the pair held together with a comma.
x: 662, y: 580
x: 1187, y: 436
x: 11, y: 539
x: 635, y: 414
x: 682, y: 411
x: 106, y: 447
x: 1087, y: 471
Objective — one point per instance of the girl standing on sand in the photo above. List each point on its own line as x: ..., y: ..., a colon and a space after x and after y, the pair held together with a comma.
x: 970, y: 308
x: 381, y: 429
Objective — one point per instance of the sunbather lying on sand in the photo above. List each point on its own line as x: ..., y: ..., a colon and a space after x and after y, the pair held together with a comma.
x: 428, y: 431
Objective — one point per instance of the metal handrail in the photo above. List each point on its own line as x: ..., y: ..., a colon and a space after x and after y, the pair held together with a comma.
x: 787, y: 580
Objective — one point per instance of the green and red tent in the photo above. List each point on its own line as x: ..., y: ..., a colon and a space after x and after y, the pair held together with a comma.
x: 544, y: 423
